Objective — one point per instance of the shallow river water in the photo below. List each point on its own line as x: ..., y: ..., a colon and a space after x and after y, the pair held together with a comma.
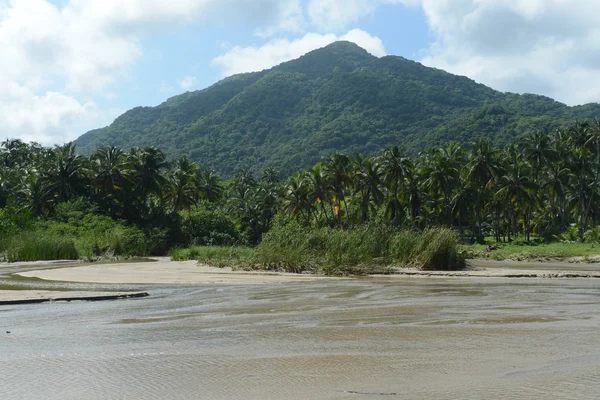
x: 407, y: 338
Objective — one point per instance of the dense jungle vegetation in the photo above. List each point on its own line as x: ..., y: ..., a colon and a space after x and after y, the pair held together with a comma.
x: 336, y: 99
x: 55, y: 203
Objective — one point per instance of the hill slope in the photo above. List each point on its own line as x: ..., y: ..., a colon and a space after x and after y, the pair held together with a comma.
x: 338, y: 98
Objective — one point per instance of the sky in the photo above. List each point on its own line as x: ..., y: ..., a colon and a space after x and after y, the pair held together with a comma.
x: 69, y: 66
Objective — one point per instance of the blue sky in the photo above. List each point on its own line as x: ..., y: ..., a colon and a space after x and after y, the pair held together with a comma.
x: 187, y: 51
x: 74, y: 65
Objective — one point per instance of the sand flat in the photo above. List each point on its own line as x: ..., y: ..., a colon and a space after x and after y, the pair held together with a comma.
x: 163, y: 271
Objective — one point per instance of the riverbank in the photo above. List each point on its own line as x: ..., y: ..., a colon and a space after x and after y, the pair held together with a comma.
x: 166, y: 272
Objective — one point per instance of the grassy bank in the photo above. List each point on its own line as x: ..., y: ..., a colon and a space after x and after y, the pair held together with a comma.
x: 532, y: 252
x: 366, y: 250
x: 84, y: 236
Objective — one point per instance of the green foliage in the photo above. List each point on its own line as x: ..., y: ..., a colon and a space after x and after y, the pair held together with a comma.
x: 592, y: 235
x: 203, y: 226
x: 571, y: 234
x: 336, y: 99
x: 98, y: 236
x: 348, y: 214
x: 74, y: 233
x: 40, y: 247
x: 216, y: 256
x: 367, y: 249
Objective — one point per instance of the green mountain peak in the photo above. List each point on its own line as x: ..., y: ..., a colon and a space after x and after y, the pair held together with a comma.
x: 337, y: 98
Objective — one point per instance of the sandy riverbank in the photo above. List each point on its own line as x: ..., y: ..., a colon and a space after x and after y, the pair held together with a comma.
x: 164, y: 271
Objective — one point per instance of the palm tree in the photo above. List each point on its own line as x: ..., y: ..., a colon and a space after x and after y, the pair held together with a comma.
x: 413, y: 190
x: 210, y: 186
x: 463, y: 201
x: 271, y: 175
x: 516, y: 188
x: 321, y: 189
x: 183, y: 194
x: 109, y: 167
x: 297, y: 197
x: 394, y: 168
x: 368, y: 180
x: 146, y: 166
x: 245, y: 179
x: 337, y: 168
x: 442, y: 167
x: 63, y: 177
x: 482, y: 168
x: 585, y: 181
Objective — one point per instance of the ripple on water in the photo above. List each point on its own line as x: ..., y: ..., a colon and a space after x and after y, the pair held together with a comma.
x: 442, y: 340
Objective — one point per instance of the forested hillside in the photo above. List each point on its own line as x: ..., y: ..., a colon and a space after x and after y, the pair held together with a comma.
x: 339, y: 98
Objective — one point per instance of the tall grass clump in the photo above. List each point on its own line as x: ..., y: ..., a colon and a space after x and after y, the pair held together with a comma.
x: 363, y: 250
x: 34, y: 247
x: 291, y: 248
x: 437, y: 249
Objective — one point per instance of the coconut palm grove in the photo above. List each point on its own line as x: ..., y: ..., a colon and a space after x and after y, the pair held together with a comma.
x: 56, y: 203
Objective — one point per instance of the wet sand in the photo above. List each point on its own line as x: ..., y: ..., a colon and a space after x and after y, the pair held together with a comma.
x: 13, y: 297
x: 405, y: 338
x: 304, y: 337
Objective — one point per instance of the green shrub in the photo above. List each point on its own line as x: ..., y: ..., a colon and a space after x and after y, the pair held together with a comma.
x: 592, y: 235
x: 98, y: 236
x: 73, y: 234
x: 205, y: 227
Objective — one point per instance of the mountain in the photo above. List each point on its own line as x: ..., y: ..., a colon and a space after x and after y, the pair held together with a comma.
x: 338, y: 98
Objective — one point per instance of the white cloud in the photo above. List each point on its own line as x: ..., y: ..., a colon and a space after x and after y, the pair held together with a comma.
x: 549, y: 47
x: 291, y: 19
x: 247, y: 59
x: 188, y: 82
x: 54, y: 56
x: 56, y: 60
x: 38, y: 118
x: 336, y: 15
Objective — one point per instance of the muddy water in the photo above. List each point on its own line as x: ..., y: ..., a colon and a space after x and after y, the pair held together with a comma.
x: 366, y: 339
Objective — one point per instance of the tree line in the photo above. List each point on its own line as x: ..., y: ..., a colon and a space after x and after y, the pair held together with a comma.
x: 546, y: 185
